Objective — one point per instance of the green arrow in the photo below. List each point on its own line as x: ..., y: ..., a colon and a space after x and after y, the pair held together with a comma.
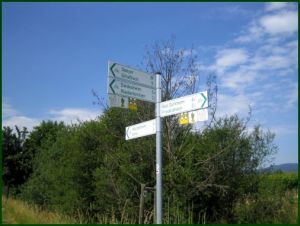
x: 205, y: 99
x: 111, y: 69
x: 110, y: 85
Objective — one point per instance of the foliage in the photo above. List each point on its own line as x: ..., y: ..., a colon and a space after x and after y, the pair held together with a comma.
x: 18, y: 212
x: 275, y: 202
x: 279, y: 181
x: 89, y: 171
x: 212, y: 170
x: 14, y: 159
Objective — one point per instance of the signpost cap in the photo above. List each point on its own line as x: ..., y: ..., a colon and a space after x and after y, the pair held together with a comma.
x: 158, y: 73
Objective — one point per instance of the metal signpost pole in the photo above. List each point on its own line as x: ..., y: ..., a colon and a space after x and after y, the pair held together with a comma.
x: 158, y: 152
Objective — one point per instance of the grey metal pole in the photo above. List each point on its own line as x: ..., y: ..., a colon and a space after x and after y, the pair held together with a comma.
x: 158, y: 152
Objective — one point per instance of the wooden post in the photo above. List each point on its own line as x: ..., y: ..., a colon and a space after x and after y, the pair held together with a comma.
x: 142, y: 201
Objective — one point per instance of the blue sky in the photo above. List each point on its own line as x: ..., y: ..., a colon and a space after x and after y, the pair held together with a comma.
x: 54, y: 54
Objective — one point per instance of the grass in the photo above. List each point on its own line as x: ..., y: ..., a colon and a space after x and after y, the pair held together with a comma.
x: 268, y: 208
x: 18, y: 212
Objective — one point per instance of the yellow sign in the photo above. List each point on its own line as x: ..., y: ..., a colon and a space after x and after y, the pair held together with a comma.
x: 132, y: 104
x: 184, y: 118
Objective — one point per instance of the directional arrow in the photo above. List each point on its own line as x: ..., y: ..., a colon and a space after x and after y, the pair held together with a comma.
x: 205, y: 99
x: 111, y: 69
x: 141, y: 129
x: 110, y: 85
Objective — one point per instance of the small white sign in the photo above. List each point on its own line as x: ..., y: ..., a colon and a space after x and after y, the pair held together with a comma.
x: 140, y: 130
x: 117, y: 101
x: 198, y: 115
x: 184, y: 104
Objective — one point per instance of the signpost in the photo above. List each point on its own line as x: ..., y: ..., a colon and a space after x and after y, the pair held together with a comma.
x: 140, y: 130
x: 125, y: 82
x: 184, y: 104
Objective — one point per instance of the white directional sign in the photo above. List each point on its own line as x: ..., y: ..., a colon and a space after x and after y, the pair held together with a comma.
x: 127, y: 74
x: 119, y: 87
x: 198, y: 115
x: 141, y: 129
x: 184, y: 104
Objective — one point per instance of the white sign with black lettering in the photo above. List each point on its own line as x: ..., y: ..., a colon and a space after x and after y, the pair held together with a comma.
x: 184, y: 104
x: 140, y: 130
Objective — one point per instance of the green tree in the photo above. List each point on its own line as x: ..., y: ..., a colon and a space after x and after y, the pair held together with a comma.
x: 42, y: 137
x: 14, y: 164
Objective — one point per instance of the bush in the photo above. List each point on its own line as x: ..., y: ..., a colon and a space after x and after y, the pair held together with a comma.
x: 268, y: 209
x: 279, y: 181
x: 275, y: 202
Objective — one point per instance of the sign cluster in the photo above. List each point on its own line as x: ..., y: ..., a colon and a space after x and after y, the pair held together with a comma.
x: 126, y: 84
x: 124, y: 81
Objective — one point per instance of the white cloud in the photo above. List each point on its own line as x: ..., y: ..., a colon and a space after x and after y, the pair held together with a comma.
x: 233, y: 104
x: 283, y: 22
x: 238, y: 79
x: 231, y: 57
x: 12, y: 117
x: 254, y: 32
x: 21, y: 121
x: 292, y: 97
x: 272, y: 62
x: 276, y: 24
x: 280, y: 130
x: 7, y: 110
x: 72, y: 115
x: 271, y: 6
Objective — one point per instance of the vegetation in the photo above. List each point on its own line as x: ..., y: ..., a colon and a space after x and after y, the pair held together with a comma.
x: 92, y: 174
x: 88, y: 171
x: 17, y: 212
x: 275, y: 202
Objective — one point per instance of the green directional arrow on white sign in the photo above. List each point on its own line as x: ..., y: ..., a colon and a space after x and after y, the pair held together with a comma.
x: 132, y: 90
x: 184, y: 104
x: 130, y: 75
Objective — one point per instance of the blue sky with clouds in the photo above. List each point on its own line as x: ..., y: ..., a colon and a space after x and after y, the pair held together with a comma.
x: 54, y: 54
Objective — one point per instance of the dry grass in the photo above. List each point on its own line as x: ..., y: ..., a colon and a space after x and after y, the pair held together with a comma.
x: 18, y: 212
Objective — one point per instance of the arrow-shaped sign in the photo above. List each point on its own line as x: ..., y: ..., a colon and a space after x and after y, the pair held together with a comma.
x: 130, y: 75
x: 132, y: 90
x: 127, y: 135
x: 184, y: 104
x: 140, y: 130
